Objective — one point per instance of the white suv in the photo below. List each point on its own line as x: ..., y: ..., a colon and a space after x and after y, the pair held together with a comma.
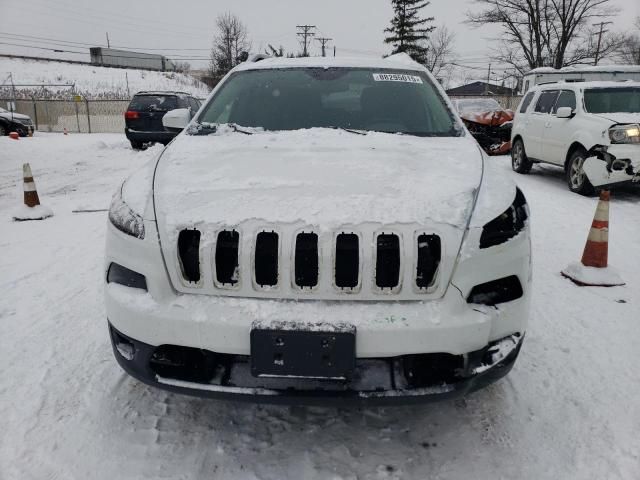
x: 322, y: 229
x: 568, y: 123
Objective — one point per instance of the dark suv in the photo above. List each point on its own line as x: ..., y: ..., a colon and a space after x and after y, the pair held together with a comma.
x: 143, y: 118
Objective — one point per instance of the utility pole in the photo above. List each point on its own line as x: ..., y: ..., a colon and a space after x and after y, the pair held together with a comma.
x: 486, y: 88
x: 323, y: 41
x: 601, y: 24
x: 108, y: 44
x: 305, y: 33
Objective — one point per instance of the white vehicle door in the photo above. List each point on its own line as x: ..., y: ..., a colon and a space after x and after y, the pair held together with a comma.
x: 536, y: 121
x: 558, y: 132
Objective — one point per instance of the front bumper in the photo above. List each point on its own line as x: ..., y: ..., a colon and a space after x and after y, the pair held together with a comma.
x: 384, y: 381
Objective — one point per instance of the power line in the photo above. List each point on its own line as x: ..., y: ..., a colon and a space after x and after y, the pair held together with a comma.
x: 306, y: 33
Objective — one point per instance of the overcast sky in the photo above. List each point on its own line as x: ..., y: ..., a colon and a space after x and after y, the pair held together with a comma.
x: 355, y: 25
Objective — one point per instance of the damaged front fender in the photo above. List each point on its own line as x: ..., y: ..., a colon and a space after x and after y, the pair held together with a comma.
x: 611, y: 165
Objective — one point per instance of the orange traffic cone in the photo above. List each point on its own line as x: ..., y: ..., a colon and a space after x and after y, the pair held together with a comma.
x: 593, y: 270
x: 31, y: 210
x: 14, y: 135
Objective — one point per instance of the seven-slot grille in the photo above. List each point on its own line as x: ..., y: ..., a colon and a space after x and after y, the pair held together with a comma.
x: 348, y: 256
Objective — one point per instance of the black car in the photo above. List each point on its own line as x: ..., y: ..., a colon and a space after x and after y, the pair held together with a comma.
x: 15, y: 122
x: 143, y: 118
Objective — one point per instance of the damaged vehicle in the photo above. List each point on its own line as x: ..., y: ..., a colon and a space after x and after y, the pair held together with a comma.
x: 488, y: 122
x: 323, y: 231
x: 591, y: 129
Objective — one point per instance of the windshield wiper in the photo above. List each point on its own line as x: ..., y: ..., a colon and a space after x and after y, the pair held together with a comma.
x: 350, y: 130
x: 209, y: 128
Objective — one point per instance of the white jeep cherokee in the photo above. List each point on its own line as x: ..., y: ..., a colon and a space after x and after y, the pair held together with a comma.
x: 591, y: 127
x: 323, y: 230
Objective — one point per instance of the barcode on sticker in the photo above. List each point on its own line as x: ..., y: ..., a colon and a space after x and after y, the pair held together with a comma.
x: 396, y: 77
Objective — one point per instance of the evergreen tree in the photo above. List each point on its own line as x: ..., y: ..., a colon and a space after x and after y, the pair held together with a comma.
x: 408, y: 32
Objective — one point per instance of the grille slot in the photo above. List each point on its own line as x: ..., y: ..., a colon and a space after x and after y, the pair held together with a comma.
x: 266, y: 259
x: 387, y: 260
x: 306, y: 260
x: 347, y: 266
x: 429, y: 254
x: 189, y: 254
x: 227, y: 269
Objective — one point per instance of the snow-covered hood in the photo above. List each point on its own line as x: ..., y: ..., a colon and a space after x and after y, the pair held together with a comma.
x: 325, y: 178
x: 620, y: 117
x: 15, y: 116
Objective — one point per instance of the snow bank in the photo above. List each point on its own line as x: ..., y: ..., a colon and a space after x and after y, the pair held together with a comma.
x: 92, y: 81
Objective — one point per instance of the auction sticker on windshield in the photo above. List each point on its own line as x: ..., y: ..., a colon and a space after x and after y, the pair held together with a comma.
x: 396, y: 77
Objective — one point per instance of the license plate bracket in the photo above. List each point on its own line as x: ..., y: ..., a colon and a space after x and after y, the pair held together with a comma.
x: 303, y: 351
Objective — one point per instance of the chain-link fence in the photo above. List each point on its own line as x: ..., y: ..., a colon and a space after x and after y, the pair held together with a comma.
x: 107, y: 116
x: 76, y: 115
x: 83, y: 116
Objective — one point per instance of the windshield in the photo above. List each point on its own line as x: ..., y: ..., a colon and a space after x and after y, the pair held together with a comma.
x: 612, y: 100
x: 477, y: 105
x: 393, y: 101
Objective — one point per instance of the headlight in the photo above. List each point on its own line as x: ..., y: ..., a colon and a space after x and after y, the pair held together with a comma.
x: 125, y: 219
x: 508, y: 225
x: 625, y: 133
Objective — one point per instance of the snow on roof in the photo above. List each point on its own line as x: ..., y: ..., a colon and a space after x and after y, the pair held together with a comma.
x: 588, y: 69
x: 400, y: 60
x: 592, y: 84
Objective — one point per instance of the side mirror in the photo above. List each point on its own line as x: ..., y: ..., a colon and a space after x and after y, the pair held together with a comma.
x: 176, y: 120
x: 564, y: 112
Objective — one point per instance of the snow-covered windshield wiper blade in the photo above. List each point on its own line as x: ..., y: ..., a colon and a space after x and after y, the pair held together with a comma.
x: 202, y: 128
x: 209, y: 128
x: 239, y: 130
x: 351, y: 130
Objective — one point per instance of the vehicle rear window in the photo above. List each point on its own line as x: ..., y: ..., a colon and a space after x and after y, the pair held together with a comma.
x: 385, y: 100
x: 153, y: 103
x: 526, y: 101
x: 612, y: 100
x: 546, y: 101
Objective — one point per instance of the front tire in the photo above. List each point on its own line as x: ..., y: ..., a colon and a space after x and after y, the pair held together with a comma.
x: 3, y: 131
x: 519, y: 161
x: 136, y: 145
x: 577, y: 180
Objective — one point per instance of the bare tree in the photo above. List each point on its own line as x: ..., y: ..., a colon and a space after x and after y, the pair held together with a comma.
x: 439, y: 54
x: 230, y: 42
x: 539, y: 33
x: 629, y: 49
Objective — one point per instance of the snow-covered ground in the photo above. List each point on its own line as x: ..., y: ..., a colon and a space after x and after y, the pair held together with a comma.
x: 570, y: 409
x: 92, y: 81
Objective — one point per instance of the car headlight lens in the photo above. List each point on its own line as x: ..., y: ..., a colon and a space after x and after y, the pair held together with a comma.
x: 508, y: 225
x: 125, y: 219
x: 625, y: 133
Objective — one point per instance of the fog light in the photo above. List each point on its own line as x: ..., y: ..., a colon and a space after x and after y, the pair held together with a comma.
x: 497, y: 291
x: 123, y: 276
